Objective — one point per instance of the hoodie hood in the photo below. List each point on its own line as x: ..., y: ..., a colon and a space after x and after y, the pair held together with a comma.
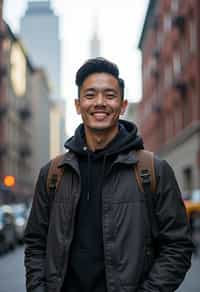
x: 126, y: 139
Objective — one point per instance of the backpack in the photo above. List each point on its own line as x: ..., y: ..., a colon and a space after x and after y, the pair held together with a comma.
x: 144, y: 172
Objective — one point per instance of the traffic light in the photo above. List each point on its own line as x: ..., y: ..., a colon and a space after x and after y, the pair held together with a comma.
x: 9, y: 181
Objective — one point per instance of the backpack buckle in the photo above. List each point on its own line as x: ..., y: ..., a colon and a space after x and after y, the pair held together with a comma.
x: 53, y: 182
x: 145, y: 176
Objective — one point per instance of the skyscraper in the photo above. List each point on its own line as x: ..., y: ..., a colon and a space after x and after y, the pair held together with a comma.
x: 95, y: 46
x: 95, y: 43
x: 39, y: 29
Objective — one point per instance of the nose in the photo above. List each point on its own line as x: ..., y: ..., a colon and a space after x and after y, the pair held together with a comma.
x: 100, y: 100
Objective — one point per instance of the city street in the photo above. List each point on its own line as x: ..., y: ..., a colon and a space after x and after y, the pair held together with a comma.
x: 12, y: 271
x: 12, y: 274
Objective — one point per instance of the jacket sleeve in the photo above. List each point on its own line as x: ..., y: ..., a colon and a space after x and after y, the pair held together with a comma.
x: 36, y: 236
x: 175, y: 246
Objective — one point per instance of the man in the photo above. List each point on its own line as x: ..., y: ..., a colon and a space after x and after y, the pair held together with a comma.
x: 94, y: 235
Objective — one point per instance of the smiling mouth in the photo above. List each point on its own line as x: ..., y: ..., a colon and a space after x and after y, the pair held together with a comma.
x: 100, y: 115
x: 100, y: 112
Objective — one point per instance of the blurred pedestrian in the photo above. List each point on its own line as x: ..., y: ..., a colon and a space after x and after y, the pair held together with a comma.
x: 92, y: 228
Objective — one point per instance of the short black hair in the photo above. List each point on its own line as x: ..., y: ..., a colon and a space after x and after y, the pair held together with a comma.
x: 98, y: 65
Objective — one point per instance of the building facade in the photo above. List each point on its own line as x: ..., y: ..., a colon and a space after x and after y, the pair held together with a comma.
x: 39, y: 29
x: 57, y: 118
x: 41, y: 107
x: 2, y: 98
x: 170, y: 105
x: 16, y: 141
x: 24, y: 99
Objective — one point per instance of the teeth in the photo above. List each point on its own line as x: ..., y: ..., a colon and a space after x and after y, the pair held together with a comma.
x: 102, y: 113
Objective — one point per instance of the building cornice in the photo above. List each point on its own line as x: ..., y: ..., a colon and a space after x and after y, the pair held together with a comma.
x: 147, y: 21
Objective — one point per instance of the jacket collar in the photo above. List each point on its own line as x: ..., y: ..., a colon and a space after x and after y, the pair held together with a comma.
x: 127, y: 158
x: 70, y: 159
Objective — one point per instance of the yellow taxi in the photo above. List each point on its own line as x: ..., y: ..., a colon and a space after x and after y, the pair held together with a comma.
x: 193, y: 204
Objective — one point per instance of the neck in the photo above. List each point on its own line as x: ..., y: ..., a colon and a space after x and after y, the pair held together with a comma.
x: 97, y: 140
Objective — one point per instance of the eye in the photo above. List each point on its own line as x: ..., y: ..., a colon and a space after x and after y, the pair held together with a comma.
x: 89, y: 95
x: 110, y: 95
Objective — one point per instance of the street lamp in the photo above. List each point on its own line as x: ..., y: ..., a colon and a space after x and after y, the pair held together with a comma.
x: 9, y: 181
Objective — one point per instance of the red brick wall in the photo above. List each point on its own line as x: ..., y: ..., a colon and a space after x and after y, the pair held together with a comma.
x: 171, y: 62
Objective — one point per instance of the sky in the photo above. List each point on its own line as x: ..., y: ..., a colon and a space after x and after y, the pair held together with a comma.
x: 118, y: 23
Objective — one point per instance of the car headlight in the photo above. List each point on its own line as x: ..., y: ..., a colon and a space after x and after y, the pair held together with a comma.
x: 1, y: 226
x: 20, y: 221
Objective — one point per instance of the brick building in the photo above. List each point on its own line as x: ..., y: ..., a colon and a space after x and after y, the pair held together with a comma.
x: 3, y: 108
x: 2, y: 77
x: 24, y: 119
x: 16, y: 123
x: 170, y: 105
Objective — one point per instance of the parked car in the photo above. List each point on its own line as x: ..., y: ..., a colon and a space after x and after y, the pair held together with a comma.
x: 193, y: 204
x: 193, y: 210
x: 7, y: 228
x: 20, y: 212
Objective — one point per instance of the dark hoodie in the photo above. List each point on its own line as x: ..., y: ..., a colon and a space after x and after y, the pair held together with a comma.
x: 86, y: 271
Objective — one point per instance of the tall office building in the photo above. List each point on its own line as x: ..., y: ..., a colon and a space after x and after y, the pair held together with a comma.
x: 95, y: 43
x: 39, y: 29
x: 95, y: 46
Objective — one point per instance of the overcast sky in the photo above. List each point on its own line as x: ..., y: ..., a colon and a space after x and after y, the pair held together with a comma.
x: 119, y: 25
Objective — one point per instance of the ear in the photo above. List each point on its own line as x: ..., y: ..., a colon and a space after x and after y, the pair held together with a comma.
x: 123, y: 106
x: 77, y: 106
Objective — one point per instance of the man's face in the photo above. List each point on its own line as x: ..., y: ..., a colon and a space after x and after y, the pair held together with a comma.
x: 100, y: 103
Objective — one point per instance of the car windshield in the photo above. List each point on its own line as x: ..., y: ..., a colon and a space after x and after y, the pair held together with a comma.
x: 19, y: 211
x: 196, y: 196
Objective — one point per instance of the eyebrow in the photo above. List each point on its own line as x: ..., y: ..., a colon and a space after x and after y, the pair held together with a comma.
x: 104, y: 89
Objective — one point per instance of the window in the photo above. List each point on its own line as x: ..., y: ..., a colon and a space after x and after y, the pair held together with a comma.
x: 174, y: 5
x: 168, y: 75
x: 187, y: 178
x: 193, y: 36
x: 167, y: 23
x: 151, y: 65
x: 176, y: 63
x: 160, y: 39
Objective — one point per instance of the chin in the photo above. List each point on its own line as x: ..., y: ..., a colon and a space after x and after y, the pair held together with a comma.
x: 102, y: 127
x: 99, y: 128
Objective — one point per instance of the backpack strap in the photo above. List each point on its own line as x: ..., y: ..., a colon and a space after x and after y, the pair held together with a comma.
x: 54, y: 174
x: 146, y: 180
x: 145, y: 170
